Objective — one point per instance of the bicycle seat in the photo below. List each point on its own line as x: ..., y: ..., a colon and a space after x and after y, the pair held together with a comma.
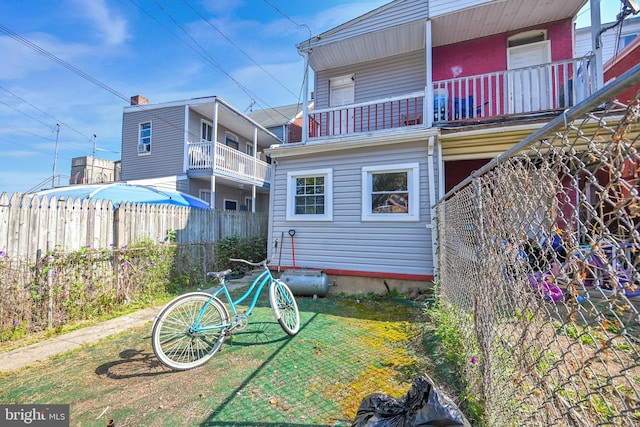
x: 218, y: 274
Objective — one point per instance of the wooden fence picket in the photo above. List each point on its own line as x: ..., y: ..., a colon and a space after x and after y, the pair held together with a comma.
x: 29, y: 224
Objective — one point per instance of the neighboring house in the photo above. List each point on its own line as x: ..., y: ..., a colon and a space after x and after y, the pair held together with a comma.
x: 285, y: 122
x: 203, y: 147
x: 623, y: 61
x: 613, y: 40
x: 93, y: 170
x: 410, y: 98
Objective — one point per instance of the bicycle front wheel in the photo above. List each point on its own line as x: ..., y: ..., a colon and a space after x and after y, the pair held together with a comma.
x: 284, y: 307
x: 178, y: 342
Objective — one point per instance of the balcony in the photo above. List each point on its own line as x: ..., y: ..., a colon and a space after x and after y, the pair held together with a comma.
x: 516, y: 93
x: 228, y: 162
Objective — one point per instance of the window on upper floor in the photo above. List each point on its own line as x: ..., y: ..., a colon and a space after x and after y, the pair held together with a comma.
x: 206, y: 131
x: 391, y: 192
x: 249, y: 149
x: 144, y: 138
x: 231, y: 140
x: 310, y: 195
x: 625, y: 40
x: 527, y: 37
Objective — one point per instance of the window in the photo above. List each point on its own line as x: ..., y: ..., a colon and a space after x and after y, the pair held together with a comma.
x: 206, y: 131
x: 625, y: 40
x: 391, y: 192
x: 144, y: 138
x: 205, y: 195
x: 309, y: 195
x: 250, y: 149
x: 231, y: 140
x: 230, y: 205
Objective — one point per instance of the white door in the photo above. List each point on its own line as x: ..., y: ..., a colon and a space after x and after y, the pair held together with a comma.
x: 342, y: 92
x: 529, y: 88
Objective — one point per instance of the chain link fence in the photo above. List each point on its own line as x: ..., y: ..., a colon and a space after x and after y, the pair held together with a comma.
x: 539, y: 265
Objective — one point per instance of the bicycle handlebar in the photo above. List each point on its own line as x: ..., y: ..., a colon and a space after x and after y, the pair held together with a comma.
x: 254, y: 264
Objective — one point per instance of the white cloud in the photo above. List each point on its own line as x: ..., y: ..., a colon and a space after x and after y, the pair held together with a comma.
x: 110, y: 26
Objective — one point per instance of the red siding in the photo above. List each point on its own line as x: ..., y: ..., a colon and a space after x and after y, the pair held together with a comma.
x: 626, y: 59
x: 489, y: 54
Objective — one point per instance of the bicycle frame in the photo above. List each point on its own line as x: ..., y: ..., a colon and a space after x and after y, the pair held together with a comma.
x: 259, y: 282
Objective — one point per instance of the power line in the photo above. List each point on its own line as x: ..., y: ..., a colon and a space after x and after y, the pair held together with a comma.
x: 237, y: 47
x: 43, y: 112
x: 210, y: 59
x: 65, y: 64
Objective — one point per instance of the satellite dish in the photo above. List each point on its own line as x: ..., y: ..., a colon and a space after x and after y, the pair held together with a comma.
x: 632, y: 5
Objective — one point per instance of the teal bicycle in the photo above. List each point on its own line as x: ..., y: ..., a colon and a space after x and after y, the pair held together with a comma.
x: 190, y: 329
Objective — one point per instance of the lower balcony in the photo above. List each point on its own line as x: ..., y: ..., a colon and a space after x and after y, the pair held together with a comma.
x: 207, y: 158
x: 488, y: 97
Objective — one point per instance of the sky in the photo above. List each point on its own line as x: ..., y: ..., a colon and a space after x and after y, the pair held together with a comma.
x: 76, y: 63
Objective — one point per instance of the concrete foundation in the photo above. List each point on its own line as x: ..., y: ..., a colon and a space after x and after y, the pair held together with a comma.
x: 364, y: 285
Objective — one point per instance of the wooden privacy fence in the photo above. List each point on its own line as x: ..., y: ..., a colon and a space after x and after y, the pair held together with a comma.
x: 29, y: 224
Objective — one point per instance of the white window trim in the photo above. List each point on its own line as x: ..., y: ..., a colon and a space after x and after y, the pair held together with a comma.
x: 139, y: 145
x: 328, y: 195
x: 224, y: 204
x: 231, y: 136
x: 413, y: 184
x: 210, y: 124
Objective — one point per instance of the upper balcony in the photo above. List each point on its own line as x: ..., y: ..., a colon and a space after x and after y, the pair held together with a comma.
x: 226, y: 162
x: 494, y: 97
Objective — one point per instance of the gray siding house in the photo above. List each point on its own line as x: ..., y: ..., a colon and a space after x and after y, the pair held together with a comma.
x: 410, y: 98
x: 203, y: 147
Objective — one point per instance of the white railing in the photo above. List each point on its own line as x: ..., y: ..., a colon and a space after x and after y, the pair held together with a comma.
x: 228, y: 161
x: 548, y: 87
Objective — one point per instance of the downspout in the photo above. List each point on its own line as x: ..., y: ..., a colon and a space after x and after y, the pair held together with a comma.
x: 305, y: 100
x: 431, y: 162
x: 212, y: 203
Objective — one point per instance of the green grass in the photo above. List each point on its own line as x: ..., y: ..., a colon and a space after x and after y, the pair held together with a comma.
x: 344, y: 351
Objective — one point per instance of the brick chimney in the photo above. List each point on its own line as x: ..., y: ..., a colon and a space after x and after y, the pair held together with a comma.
x: 139, y: 100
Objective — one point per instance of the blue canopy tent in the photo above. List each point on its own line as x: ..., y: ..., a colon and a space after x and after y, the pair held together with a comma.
x: 125, y: 193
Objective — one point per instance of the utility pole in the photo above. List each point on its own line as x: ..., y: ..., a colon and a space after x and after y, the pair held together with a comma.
x: 93, y: 161
x: 55, y: 156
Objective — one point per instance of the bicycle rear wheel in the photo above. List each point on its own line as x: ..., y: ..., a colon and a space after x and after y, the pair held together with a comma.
x: 175, y: 340
x: 284, y: 307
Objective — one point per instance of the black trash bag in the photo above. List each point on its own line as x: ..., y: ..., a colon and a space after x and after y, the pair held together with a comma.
x: 422, y: 406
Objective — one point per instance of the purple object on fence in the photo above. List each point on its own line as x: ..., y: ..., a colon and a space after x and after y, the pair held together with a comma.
x: 543, y: 284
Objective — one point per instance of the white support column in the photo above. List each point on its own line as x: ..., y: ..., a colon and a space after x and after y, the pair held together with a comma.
x: 214, y: 141
x: 428, y: 90
x: 187, y: 162
x: 596, y: 43
x: 305, y: 100
x: 255, y: 169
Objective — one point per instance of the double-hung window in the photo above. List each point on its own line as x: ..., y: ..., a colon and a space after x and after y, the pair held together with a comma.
x: 310, y: 195
x: 206, y: 131
x: 391, y: 192
x: 144, y: 138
